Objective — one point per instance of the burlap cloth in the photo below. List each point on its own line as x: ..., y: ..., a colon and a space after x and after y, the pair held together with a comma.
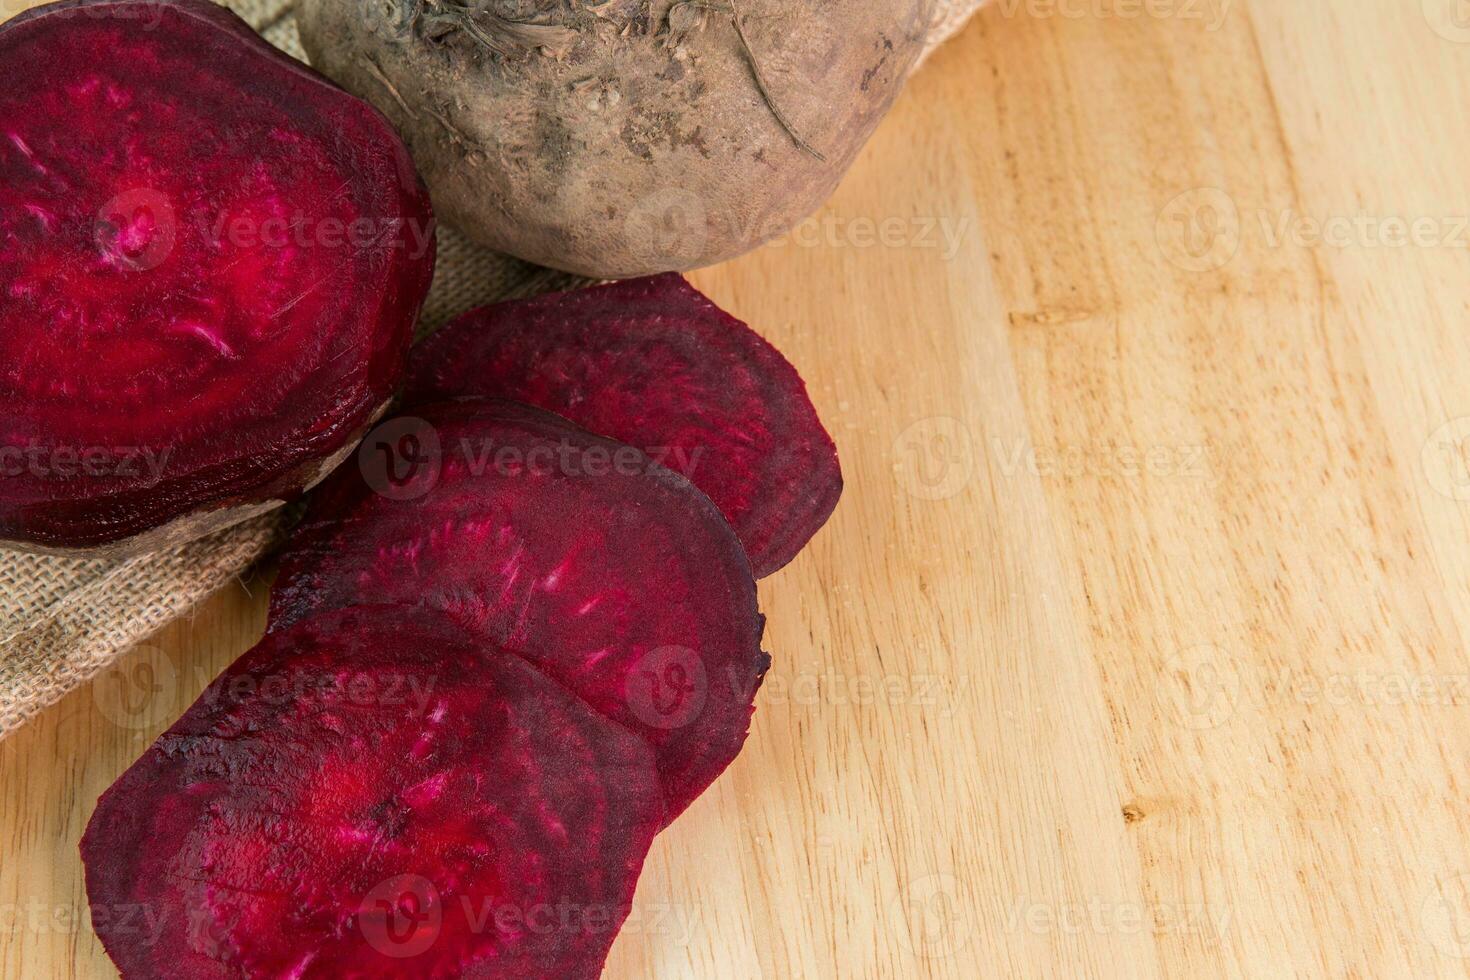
x: 64, y: 620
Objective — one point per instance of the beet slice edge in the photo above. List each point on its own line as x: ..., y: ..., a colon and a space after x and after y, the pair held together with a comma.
x: 620, y: 580
x: 372, y: 794
x: 655, y: 363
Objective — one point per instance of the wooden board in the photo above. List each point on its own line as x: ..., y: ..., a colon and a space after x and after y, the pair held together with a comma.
x: 1138, y: 645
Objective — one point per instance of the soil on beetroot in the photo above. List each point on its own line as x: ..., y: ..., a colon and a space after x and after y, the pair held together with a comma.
x: 211, y: 261
x: 373, y: 795
x: 615, y: 576
x: 654, y: 363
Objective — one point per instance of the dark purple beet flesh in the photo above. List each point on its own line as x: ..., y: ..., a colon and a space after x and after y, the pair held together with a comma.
x: 652, y: 362
x: 615, y: 576
x: 370, y: 795
x: 211, y: 261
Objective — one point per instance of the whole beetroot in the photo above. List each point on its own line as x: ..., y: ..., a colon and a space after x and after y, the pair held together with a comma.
x: 627, y: 137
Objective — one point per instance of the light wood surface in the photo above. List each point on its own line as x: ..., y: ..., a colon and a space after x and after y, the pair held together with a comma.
x: 1137, y: 646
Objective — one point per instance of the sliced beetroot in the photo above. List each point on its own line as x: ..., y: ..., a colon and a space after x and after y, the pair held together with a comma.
x: 615, y: 576
x: 370, y: 795
x: 654, y: 363
x: 211, y: 261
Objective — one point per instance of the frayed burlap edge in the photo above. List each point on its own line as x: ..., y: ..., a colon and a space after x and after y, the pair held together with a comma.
x: 63, y: 621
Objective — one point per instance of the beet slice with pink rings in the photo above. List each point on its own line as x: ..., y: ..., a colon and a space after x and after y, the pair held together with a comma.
x: 372, y: 794
x: 211, y: 263
x: 652, y: 362
x: 613, y: 575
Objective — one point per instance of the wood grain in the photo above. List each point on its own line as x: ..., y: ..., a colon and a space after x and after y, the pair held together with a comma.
x: 1137, y: 647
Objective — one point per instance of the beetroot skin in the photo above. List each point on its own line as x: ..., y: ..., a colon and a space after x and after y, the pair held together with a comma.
x: 613, y: 575
x: 211, y: 261
x: 654, y: 363
x: 369, y: 795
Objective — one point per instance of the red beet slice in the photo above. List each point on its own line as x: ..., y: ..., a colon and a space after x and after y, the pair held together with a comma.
x: 613, y: 575
x: 652, y: 362
x: 370, y: 795
x: 211, y: 261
